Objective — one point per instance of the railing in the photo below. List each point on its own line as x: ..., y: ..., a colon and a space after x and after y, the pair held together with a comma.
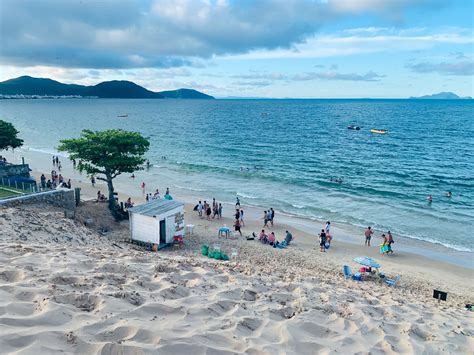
x: 19, y: 186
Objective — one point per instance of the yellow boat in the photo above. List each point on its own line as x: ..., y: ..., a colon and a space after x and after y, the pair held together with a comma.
x: 378, y: 131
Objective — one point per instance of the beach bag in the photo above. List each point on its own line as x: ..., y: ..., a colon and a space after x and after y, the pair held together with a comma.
x: 205, y: 249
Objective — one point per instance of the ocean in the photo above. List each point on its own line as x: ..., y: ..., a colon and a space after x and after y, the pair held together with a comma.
x: 284, y: 154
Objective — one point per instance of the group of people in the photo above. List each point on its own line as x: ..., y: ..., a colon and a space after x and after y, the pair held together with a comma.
x: 449, y: 194
x: 207, y: 211
x: 270, y: 238
x: 386, y: 246
x: 268, y: 217
x: 56, y: 181
x: 149, y: 197
x: 325, y: 238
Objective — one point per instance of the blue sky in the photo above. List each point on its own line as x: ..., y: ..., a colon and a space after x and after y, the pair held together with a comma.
x: 265, y: 48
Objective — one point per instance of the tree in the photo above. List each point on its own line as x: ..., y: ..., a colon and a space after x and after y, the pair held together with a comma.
x: 107, y: 154
x: 8, y: 136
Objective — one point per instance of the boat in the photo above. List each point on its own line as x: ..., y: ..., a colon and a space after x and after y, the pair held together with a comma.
x: 379, y: 131
x: 126, y: 115
x: 356, y: 128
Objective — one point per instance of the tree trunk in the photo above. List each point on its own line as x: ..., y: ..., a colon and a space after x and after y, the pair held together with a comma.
x: 112, y: 201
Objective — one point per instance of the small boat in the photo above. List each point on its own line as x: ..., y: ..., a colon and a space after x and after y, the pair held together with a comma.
x: 379, y: 131
x: 356, y: 128
x: 126, y: 115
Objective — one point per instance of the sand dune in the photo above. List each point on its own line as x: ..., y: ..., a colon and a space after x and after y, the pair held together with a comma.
x: 64, y: 288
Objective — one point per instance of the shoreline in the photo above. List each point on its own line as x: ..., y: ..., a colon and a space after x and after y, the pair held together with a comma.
x: 346, y: 235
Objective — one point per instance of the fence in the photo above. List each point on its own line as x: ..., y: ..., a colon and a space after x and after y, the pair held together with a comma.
x: 24, y: 187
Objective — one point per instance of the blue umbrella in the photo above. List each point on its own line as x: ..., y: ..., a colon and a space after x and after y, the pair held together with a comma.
x: 366, y: 261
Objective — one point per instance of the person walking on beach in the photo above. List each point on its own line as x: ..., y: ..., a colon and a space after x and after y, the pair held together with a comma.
x: 272, y: 211
x: 237, y: 226
x: 57, y: 160
x: 242, y: 218
x: 208, y: 212
x: 220, y: 211
x: 265, y: 219
x: 54, y: 160
x: 328, y: 227
x: 322, y: 241
x: 368, y: 234
x: 93, y: 181
x: 199, y: 208
x: 237, y: 201
x: 215, y: 210
x: 143, y: 187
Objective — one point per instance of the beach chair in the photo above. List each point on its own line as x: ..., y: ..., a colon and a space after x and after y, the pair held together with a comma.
x: 392, y: 282
x: 347, y: 272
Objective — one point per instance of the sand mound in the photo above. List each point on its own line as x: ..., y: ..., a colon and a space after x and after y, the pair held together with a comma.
x: 83, y: 295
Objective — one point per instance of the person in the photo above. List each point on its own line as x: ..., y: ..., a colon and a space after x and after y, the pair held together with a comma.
x: 98, y: 196
x: 215, y: 210
x: 269, y: 216
x: 132, y: 176
x: 74, y: 163
x: 143, y: 186
x: 43, y: 181
x: 262, y: 237
x: 237, y: 203
x: 430, y: 199
x: 220, y: 211
x: 208, y: 212
x: 272, y: 211
x: 167, y: 191
x: 271, y: 238
x: 147, y: 198
x: 156, y: 195
x: 129, y: 203
x: 242, y: 217
x: 49, y: 184
x: 237, y: 214
x: 57, y: 160
x: 368, y: 234
x: 54, y: 160
x: 390, y: 240
x: 322, y: 241
x: 93, y: 181
x: 59, y: 166
x: 147, y: 164
x: 265, y: 219
x: 328, y: 226
x: 199, y: 208
x: 69, y: 184
x: 288, y: 238
x: 449, y: 194
x: 237, y: 226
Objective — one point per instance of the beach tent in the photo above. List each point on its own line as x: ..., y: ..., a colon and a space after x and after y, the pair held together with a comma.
x: 157, y: 222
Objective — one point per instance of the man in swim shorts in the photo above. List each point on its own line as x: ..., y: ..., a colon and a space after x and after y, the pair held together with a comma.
x: 368, y: 234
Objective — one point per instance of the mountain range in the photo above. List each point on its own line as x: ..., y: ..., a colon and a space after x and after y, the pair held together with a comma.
x: 442, y: 96
x: 117, y: 89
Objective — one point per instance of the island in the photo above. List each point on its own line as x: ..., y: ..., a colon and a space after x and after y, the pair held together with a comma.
x: 441, y: 96
x: 28, y: 87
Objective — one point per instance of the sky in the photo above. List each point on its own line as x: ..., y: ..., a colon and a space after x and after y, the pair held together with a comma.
x: 244, y: 48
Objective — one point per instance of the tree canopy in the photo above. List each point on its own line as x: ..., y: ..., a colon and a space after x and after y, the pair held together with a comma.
x: 8, y: 136
x: 107, y: 154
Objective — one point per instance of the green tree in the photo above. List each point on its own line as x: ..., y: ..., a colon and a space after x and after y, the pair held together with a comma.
x: 107, y: 154
x: 8, y: 136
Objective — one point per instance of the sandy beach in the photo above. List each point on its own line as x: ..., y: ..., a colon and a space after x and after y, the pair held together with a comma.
x: 67, y: 289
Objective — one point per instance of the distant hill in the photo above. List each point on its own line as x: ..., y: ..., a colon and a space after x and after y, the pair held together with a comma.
x: 442, y: 96
x: 185, y: 94
x: 29, y: 86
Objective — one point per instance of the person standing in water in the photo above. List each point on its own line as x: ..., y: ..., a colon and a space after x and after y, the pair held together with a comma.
x: 449, y: 194
x: 430, y: 199
x: 368, y: 234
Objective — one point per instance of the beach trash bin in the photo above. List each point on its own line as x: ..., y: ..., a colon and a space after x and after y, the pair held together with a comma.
x: 205, y: 249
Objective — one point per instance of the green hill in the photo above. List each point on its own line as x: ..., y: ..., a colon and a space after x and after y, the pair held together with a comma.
x: 27, y: 85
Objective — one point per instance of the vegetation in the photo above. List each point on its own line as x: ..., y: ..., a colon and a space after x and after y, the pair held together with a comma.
x: 106, y: 155
x: 8, y: 136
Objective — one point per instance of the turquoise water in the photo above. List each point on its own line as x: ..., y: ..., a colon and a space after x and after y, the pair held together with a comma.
x: 283, y: 153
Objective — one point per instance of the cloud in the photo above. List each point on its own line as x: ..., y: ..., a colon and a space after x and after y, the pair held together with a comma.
x: 333, y: 75
x: 110, y: 34
x: 444, y: 68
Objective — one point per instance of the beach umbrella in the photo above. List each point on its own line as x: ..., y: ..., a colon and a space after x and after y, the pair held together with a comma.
x: 366, y: 261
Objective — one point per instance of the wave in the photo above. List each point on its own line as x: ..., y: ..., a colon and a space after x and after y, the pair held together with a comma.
x: 241, y: 194
x: 190, y: 188
x: 46, y: 151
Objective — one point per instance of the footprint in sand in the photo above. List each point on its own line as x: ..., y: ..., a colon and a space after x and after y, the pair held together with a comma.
x: 11, y: 276
x: 84, y: 302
